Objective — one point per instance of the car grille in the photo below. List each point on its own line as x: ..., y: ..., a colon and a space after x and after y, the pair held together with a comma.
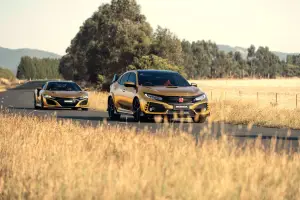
x: 61, y: 101
x: 175, y: 99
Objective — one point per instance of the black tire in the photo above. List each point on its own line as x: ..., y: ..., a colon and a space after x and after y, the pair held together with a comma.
x: 199, y: 119
x: 42, y: 103
x: 170, y: 119
x: 34, y: 102
x: 75, y: 108
x: 136, y: 108
x: 111, y: 110
x: 85, y: 109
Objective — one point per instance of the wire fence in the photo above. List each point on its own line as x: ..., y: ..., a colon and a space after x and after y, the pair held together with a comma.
x: 275, y: 99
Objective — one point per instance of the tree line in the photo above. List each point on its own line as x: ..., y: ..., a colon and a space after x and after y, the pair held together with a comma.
x: 38, y: 68
x: 117, y: 38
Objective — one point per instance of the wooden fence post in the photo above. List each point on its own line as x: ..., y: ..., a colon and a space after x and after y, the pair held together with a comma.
x: 296, y: 100
x: 211, y: 95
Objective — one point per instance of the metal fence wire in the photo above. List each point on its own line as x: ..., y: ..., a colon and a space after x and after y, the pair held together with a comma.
x: 283, y: 100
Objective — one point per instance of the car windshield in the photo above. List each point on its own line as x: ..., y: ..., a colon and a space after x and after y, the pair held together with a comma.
x: 63, y: 86
x: 159, y: 78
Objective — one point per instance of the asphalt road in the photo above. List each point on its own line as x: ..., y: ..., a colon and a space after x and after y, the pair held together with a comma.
x: 20, y: 100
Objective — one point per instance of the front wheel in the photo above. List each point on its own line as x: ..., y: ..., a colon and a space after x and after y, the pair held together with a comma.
x: 85, y: 109
x: 199, y: 119
x: 42, y: 103
x: 34, y: 102
x: 111, y: 110
x: 137, y: 112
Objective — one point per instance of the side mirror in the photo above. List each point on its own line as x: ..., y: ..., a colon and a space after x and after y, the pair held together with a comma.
x: 115, y: 78
x: 194, y: 84
x: 129, y: 84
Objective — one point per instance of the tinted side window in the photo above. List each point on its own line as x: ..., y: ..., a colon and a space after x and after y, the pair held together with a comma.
x: 124, y: 78
x: 132, y: 77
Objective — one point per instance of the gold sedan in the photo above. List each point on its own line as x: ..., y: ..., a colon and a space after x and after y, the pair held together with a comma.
x: 147, y: 93
x: 61, y: 94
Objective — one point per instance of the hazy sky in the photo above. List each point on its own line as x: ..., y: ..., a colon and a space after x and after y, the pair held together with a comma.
x: 51, y: 24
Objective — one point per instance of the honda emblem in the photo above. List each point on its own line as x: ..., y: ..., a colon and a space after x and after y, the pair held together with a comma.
x: 180, y: 100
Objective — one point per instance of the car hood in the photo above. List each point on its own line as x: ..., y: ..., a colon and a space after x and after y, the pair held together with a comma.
x: 66, y: 94
x: 172, y: 91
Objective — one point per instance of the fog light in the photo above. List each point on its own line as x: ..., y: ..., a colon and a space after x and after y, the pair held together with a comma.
x: 152, y: 109
x: 204, y: 109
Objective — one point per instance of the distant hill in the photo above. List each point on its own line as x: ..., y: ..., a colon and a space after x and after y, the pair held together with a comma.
x: 243, y: 51
x: 10, y: 58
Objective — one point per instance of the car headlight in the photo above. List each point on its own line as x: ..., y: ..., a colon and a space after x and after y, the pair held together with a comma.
x: 84, y: 97
x: 47, y: 96
x: 201, y: 97
x: 151, y: 96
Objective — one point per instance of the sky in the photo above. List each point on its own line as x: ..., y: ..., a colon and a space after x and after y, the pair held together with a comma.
x: 51, y: 24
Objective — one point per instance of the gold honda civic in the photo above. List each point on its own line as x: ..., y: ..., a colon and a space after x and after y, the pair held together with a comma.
x: 61, y: 94
x: 147, y: 93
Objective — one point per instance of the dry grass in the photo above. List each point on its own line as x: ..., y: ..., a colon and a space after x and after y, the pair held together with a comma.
x: 5, y: 83
x: 259, y: 91
x: 239, y: 112
x: 98, y: 100
x: 45, y: 159
x: 235, y: 101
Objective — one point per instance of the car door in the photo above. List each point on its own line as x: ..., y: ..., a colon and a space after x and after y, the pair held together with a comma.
x: 119, y: 92
x: 130, y: 92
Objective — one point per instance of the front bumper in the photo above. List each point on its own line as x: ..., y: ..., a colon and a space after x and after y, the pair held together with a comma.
x: 57, y: 102
x: 152, y: 107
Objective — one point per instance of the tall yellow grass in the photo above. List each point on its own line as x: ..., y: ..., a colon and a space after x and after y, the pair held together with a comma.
x: 233, y: 111
x: 98, y: 100
x: 235, y: 101
x: 5, y: 83
x: 46, y: 159
x: 259, y: 91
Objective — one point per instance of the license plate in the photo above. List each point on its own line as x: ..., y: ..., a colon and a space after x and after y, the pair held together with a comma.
x: 68, y: 101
